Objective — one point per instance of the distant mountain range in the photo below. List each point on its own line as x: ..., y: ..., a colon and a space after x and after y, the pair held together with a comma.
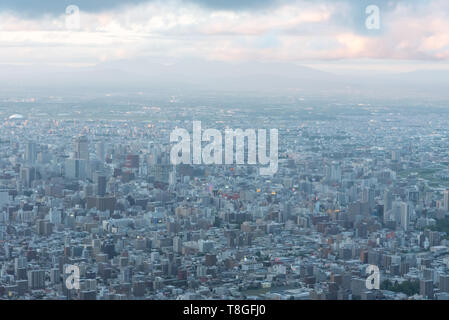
x: 142, y: 74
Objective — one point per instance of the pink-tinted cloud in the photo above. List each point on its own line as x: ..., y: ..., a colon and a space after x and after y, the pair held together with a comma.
x: 300, y: 30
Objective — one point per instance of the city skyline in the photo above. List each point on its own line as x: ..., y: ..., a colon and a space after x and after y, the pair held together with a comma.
x: 224, y: 150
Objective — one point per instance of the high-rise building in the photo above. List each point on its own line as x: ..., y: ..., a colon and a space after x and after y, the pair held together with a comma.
x: 30, y: 152
x: 55, y: 276
x: 101, y: 203
x: 132, y: 161
x: 20, y: 263
x: 177, y: 244
x: 396, y: 211
x: 444, y: 283
x: 100, y: 151
x: 82, y: 148
x: 335, y: 172
x: 368, y: 197
x: 405, y: 215
x: 395, y: 155
x: 88, y: 295
x: 426, y: 288
x: 101, y: 185
x: 36, y: 279
x: 7, y: 250
x: 388, y: 200
x: 27, y: 175
x: 76, y: 169
x: 446, y: 200
x: 55, y: 216
x: 44, y: 227
x: 172, y: 177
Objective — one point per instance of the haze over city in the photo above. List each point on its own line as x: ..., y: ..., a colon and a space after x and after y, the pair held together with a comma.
x: 227, y: 45
x: 224, y: 150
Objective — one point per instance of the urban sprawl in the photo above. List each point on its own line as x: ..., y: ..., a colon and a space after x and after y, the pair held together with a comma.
x: 356, y: 186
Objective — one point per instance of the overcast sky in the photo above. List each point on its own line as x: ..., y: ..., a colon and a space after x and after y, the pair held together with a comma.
x: 330, y: 35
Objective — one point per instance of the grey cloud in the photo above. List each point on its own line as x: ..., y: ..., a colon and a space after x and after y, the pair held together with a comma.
x: 37, y: 8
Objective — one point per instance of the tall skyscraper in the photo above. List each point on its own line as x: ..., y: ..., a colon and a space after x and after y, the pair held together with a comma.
x: 82, y: 148
x: 100, y: 151
x: 30, y: 152
x: 446, y: 200
x: 172, y: 177
x: 388, y: 200
x: 27, y: 175
x: 177, y: 244
x: 76, y: 169
x: 20, y: 263
x: 335, y: 172
x: 426, y: 289
x: 101, y: 185
x: 36, y: 279
x: 405, y: 215
x: 388, y: 205
x: 368, y: 197
x: 396, y: 211
x: 444, y: 283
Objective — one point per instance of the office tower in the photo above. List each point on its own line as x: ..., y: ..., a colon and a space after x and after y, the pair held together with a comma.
x: 20, y: 263
x: 446, y: 200
x: 55, y: 216
x: 405, y: 215
x: 101, y: 185
x: 140, y: 243
x: 102, y: 203
x: 139, y: 288
x: 82, y: 148
x: 126, y: 274
x: 334, y: 172
x: 172, y: 177
x: 386, y: 216
x: 96, y: 245
x: 36, y: 279
x: 428, y: 199
x: 132, y: 161
x: 172, y: 227
x: 205, y: 245
x: 395, y: 155
x: 76, y: 169
x: 22, y: 287
x: 444, y: 283
x: 396, y: 211
x: 388, y: 200
x: 368, y: 197
x: 100, y: 151
x: 27, y: 176
x: 426, y: 289
x: 43, y: 227
x: 55, y: 276
x: 89, y: 285
x: 4, y: 198
x: 413, y: 196
x: 7, y: 250
x: 177, y: 244
x: 88, y: 295
x: 434, y: 238
x: 30, y: 152
x: 211, y: 260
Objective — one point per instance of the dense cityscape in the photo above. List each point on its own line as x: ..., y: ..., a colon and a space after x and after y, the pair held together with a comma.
x: 223, y: 158
x: 358, y: 184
